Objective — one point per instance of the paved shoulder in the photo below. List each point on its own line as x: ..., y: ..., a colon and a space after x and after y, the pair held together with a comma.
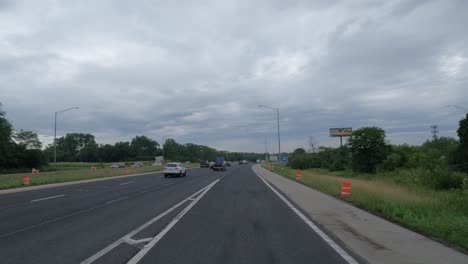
x: 240, y: 220
x: 373, y: 238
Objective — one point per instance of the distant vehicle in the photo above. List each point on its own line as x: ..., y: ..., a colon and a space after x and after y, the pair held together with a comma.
x: 155, y: 164
x: 175, y: 170
x: 219, y: 166
x: 211, y: 164
x: 243, y: 162
x: 118, y: 165
x: 228, y: 163
x: 204, y: 164
x: 187, y: 162
x: 138, y: 164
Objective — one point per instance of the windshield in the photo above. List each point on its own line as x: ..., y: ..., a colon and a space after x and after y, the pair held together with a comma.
x: 234, y: 131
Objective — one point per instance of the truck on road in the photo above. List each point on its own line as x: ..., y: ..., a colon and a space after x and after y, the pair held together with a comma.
x: 220, y: 164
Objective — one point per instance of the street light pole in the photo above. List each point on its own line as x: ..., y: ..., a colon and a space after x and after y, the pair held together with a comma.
x: 459, y: 107
x: 279, y: 140
x: 55, y: 133
x: 277, y: 119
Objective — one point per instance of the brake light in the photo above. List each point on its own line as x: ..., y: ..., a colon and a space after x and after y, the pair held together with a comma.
x: 177, y: 168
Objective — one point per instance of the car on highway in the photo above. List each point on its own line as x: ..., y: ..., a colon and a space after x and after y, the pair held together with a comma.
x: 211, y: 164
x: 175, y: 170
x: 138, y: 164
x: 118, y: 165
x: 243, y: 162
x: 228, y: 163
x: 219, y: 166
x: 204, y: 164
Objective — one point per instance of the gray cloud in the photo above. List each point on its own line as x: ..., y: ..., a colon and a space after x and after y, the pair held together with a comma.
x: 198, y: 72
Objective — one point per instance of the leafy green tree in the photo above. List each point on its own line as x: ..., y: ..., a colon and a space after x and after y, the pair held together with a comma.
x: 299, y: 151
x: 105, y: 153
x: 368, y: 149
x: 144, y: 147
x: 28, y: 139
x: 171, y: 149
x: 122, y: 151
x: 461, y: 158
x: 70, y: 146
x: 6, y: 143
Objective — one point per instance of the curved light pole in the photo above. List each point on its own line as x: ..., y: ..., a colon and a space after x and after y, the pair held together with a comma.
x: 55, y: 133
x: 277, y: 119
x: 459, y: 107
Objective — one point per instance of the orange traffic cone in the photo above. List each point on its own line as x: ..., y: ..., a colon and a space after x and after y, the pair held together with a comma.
x: 299, y: 174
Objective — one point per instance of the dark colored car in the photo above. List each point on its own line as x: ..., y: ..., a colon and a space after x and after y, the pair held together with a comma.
x: 219, y: 166
x: 138, y: 164
x: 118, y: 165
x: 228, y: 163
x: 204, y: 164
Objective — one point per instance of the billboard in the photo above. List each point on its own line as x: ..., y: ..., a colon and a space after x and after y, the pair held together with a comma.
x: 273, y: 158
x: 341, y: 132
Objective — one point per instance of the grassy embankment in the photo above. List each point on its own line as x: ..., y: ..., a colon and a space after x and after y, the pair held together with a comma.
x: 74, y: 172
x: 396, y: 196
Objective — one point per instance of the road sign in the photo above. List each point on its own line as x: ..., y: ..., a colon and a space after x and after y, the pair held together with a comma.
x: 284, y: 159
x: 341, y: 132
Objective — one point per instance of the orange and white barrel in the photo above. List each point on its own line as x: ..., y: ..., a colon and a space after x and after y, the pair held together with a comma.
x: 345, y: 189
x: 26, y: 180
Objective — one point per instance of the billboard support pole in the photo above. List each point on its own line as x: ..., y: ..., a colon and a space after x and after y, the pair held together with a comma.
x: 341, y: 141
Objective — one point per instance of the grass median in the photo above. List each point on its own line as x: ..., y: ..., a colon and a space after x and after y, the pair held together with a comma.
x: 442, y: 215
x: 9, y: 181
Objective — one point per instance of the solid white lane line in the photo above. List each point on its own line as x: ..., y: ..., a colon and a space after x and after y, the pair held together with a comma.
x: 317, y: 230
x: 47, y: 198
x: 105, y: 250
x: 125, y: 183
x: 161, y: 234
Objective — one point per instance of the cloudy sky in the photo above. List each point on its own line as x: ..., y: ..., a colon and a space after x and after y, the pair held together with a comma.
x: 197, y: 70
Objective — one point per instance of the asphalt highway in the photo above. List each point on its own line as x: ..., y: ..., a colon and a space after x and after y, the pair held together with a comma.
x: 206, y: 217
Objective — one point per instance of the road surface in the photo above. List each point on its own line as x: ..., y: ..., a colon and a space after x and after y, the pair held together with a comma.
x: 206, y: 217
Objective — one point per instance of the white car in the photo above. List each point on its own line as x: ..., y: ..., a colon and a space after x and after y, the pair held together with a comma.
x: 174, y: 169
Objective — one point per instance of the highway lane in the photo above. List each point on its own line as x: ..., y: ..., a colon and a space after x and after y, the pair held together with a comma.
x: 69, y: 228
x: 207, y: 217
x: 241, y: 220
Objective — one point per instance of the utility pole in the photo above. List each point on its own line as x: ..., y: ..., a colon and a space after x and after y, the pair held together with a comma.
x: 266, y: 150
x: 434, y: 131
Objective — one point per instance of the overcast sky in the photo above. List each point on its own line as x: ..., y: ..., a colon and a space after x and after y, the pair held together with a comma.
x: 196, y: 70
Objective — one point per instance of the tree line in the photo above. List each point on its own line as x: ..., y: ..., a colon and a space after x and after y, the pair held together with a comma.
x: 78, y: 147
x: 439, y: 161
x: 20, y: 150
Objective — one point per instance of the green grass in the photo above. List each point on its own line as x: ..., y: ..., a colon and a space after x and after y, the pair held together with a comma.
x: 442, y: 215
x: 75, y: 172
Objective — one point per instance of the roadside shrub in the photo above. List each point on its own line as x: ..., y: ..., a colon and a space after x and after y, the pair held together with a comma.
x: 441, y: 178
x: 392, y: 162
